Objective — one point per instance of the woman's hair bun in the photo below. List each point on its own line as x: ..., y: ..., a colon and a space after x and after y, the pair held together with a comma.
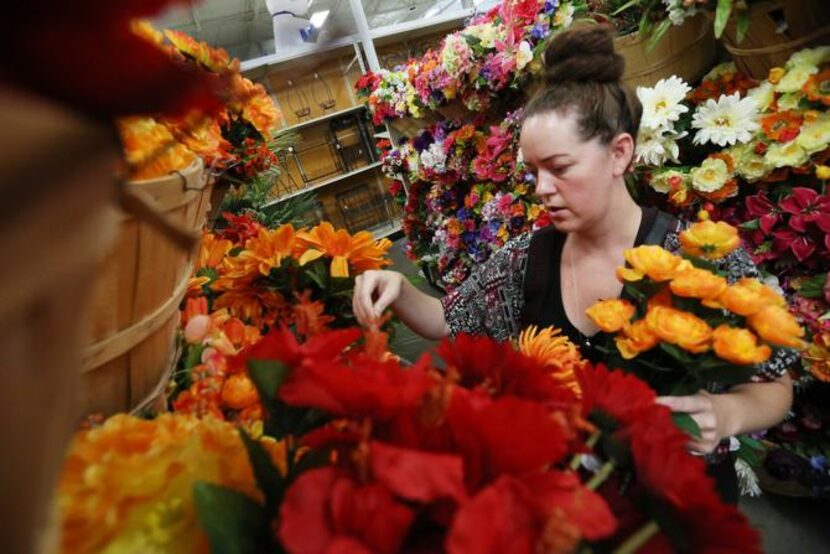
x: 583, y: 54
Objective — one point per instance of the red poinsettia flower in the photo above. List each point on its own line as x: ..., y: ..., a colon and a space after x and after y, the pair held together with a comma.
x: 375, y: 389
x: 544, y: 512
x: 767, y: 213
x: 326, y: 511
x: 86, y: 55
x: 506, y: 435
x: 239, y: 228
x: 807, y: 206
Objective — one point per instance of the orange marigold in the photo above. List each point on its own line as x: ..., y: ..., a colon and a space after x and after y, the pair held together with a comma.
x: 739, y: 346
x: 684, y: 329
x: 239, y: 392
x: 817, y: 87
x: 709, y: 239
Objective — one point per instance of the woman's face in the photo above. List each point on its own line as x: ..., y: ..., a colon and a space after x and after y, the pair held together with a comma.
x: 574, y: 179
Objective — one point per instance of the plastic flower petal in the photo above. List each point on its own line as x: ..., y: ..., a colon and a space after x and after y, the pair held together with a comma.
x: 709, y: 239
x: 728, y: 120
x: 655, y: 261
x: 778, y: 326
x: 739, y: 346
x: 684, y: 329
x: 611, y: 315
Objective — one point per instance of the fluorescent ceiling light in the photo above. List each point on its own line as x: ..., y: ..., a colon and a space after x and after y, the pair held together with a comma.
x: 318, y: 18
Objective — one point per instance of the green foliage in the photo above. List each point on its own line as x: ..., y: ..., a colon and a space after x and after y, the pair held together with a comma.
x: 233, y: 522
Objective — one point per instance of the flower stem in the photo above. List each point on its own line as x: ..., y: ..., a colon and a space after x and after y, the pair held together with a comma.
x: 601, y: 475
x: 590, y: 443
x: 638, y: 539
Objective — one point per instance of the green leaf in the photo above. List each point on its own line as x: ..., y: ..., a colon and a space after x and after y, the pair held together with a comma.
x: 742, y: 26
x: 677, y: 353
x: 750, y: 450
x: 268, y: 477
x: 235, y: 251
x: 685, y: 423
x: 194, y: 356
x: 751, y: 225
x: 233, y: 522
x: 208, y: 272
x: 661, y: 30
x: 813, y: 287
x: 268, y: 376
x: 627, y: 5
x: 722, y: 13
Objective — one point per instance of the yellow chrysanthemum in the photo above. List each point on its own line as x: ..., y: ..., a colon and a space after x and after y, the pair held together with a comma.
x: 359, y: 251
x: 709, y: 239
x: 127, y: 486
x: 554, y: 351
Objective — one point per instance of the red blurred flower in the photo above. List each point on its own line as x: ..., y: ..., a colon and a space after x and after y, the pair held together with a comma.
x: 416, y: 475
x: 239, y: 228
x: 325, y: 511
x: 623, y: 397
x: 86, y: 55
x: 281, y: 345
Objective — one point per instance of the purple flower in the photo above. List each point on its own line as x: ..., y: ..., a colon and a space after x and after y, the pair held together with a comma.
x: 539, y: 31
x: 818, y: 463
x: 422, y: 141
x: 551, y: 5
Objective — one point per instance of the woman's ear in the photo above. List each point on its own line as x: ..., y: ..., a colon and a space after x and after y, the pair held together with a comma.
x: 622, y: 153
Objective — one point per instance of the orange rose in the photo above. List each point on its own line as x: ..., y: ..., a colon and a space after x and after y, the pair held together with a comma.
x: 635, y: 338
x: 655, y: 261
x: 739, y: 346
x: 611, y: 315
x: 749, y: 296
x: 239, y: 392
x: 674, y: 326
x: 698, y: 283
x: 710, y: 240
x: 777, y: 326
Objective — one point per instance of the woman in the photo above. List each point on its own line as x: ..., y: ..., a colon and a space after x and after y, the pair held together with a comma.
x: 578, y: 141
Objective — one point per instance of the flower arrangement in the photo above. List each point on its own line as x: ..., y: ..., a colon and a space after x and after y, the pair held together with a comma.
x: 493, y: 53
x: 234, y: 140
x: 250, y: 279
x: 411, y: 458
x: 686, y: 328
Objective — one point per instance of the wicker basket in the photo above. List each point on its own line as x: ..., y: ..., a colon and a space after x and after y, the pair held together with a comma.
x: 136, y: 296
x: 55, y: 183
x: 687, y: 51
x: 763, y: 47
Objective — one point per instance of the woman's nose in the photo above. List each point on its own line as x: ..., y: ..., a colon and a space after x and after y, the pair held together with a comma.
x: 545, y: 185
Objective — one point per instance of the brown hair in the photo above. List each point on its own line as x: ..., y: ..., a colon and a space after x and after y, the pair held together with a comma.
x: 583, y: 73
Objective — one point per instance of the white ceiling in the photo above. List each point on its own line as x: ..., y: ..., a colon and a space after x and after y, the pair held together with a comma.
x: 244, y: 27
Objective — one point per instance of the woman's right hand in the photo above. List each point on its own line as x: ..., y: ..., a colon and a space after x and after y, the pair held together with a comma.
x: 374, y: 291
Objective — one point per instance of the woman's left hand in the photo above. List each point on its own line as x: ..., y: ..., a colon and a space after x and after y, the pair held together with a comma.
x: 707, y: 412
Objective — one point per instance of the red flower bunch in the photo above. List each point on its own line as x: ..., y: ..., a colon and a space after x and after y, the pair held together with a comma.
x: 483, y: 457
x: 796, y: 229
x: 727, y: 82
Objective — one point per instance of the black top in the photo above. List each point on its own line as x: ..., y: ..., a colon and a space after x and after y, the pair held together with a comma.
x: 551, y: 310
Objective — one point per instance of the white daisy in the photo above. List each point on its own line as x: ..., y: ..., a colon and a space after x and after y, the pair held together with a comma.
x: 728, y: 120
x: 655, y: 148
x: 662, y: 104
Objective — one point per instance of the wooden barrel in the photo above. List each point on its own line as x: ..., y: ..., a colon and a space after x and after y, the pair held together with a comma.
x: 56, y: 181
x: 136, y: 296
x: 686, y: 50
x: 768, y: 43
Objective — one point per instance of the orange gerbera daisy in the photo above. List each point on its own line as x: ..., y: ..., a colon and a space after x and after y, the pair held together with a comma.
x: 202, y: 135
x: 212, y: 251
x: 360, y: 250
x: 554, y: 351
x: 269, y: 248
x: 216, y: 60
x: 782, y: 126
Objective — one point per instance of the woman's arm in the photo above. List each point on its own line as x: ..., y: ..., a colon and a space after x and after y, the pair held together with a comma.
x: 745, y: 408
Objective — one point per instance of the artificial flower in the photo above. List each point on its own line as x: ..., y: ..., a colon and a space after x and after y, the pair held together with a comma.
x: 806, y: 206
x: 656, y: 147
x: 698, y: 283
x: 553, y: 351
x: 650, y: 260
x: 739, y: 346
x: 239, y: 392
x: 611, y: 315
x: 359, y: 251
x: 791, y: 154
x: 815, y: 135
x: 667, y: 180
x: 810, y: 57
x: 728, y: 120
x: 712, y: 175
x: 684, y: 329
x: 764, y: 95
x: 795, y: 78
x: 817, y: 357
x: 823, y: 172
x: 151, y: 150
x: 709, y: 239
x: 749, y: 165
x: 663, y: 103
x: 777, y: 326
x: 749, y: 296
x: 782, y: 126
x: 817, y: 87
x: 635, y: 338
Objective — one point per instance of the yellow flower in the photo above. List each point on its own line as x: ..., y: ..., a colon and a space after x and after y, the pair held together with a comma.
x: 817, y: 357
x: 789, y: 101
x: 749, y: 165
x: 360, y: 251
x: 749, y: 296
x: 635, y: 338
x: 776, y: 325
x: 815, y: 136
x: 127, y: 486
x: 739, y: 346
x: 822, y: 172
x: 711, y: 176
x: 666, y: 181
x: 810, y: 56
x: 790, y: 154
x: 698, y: 283
x: 611, y: 315
x: 554, y: 351
x: 150, y: 149
x: 655, y: 261
x: 763, y: 94
x: 775, y: 74
x: 212, y: 251
x: 709, y: 239
x: 684, y: 329
x: 795, y: 78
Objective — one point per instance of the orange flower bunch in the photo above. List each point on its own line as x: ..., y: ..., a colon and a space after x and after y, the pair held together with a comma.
x: 126, y: 486
x: 684, y: 312
x: 150, y: 148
